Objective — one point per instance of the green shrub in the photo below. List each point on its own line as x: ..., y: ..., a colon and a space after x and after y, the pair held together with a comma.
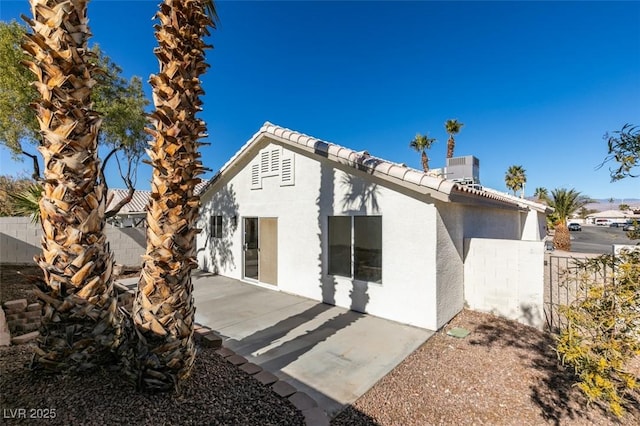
x: 602, y: 334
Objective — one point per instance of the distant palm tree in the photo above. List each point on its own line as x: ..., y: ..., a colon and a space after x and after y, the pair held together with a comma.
x: 515, y: 179
x: 421, y: 144
x: 453, y: 128
x: 565, y: 202
x: 541, y: 193
x: 583, y: 212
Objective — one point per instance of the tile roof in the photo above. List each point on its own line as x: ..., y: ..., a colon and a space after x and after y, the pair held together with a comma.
x: 138, y: 203
x: 417, y: 180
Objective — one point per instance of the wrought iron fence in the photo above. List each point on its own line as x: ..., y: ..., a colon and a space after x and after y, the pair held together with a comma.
x: 563, y: 278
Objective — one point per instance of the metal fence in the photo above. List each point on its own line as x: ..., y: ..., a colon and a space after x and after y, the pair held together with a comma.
x: 564, y: 280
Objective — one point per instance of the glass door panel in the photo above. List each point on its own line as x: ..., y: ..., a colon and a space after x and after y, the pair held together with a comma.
x: 250, y: 248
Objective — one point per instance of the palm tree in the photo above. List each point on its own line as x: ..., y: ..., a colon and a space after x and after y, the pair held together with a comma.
x: 163, y: 311
x: 541, y: 194
x: 421, y: 144
x: 565, y: 202
x: 80, y: 322
x: 452, y: 127
x: 515, y: 179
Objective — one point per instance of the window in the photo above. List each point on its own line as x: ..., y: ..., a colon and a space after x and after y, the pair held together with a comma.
x: 355, y: 247
x: 340, y: 245
x: 216, y: 226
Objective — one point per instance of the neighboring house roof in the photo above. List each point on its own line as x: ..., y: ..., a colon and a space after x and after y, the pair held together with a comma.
x: 201, y: 186
x: 613, y: 214
x: 138, y: 203
x: 423, y: 183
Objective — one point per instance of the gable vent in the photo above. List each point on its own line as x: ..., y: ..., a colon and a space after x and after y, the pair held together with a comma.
x: 264, y: 162
x: 275, y: 160
x: 287, y: 173
x: 256, y: 182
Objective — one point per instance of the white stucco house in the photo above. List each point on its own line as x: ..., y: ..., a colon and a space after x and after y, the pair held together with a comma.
x: 308, y: 217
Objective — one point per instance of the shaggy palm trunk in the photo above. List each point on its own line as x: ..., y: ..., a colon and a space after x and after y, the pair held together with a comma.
x: 562, y: 238
x: 425, y: 162
x: 451, y: 144
x: 80, y: 322
x: 163, y: 311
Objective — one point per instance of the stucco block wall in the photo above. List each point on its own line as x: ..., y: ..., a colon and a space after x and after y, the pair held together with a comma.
x: 491, y: 222
x: 505, y: 277
x: 20, y: 242
x: 409, y: 237
x: 449, y: 262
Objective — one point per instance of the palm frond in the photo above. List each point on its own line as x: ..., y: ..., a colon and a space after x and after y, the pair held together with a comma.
x: 27, y: 202
x: 453, y: 126
x: 210, y: 10
x: 421, y: 142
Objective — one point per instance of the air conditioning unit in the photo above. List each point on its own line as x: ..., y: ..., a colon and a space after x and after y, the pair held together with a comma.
x: 465, y: 170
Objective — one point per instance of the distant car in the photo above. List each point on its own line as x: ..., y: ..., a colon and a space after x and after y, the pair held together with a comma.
x: 628, y: 227
x: 614, y: 225
x: 575, y: 227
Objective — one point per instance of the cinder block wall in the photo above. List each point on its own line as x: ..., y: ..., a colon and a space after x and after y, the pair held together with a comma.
x: 20, y: 242
x: 505, y: 277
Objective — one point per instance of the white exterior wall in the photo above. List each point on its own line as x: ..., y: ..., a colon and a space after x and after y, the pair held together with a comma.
x: 506, y: 278
x: 488, y: 222
x: 450, y: 267
x: 533, y: 228
x: 408, y: 290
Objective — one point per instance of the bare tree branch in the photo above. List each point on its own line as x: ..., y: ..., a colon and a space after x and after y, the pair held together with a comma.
x: 122, y: 202
x: 36, y: 166
x: 104, y: 164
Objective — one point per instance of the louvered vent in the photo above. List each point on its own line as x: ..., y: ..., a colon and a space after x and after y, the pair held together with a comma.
x: 264, y: 162
x: 275, y: 160
x: 287, y: 173
x: 255, y: 177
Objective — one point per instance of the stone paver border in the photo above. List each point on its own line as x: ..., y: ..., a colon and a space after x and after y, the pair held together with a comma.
x: 313, y: 414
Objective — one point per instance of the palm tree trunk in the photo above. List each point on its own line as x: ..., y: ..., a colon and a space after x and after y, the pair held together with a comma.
x: 80, y: 323
x: 425, y: 162
x: 163, y: 311
x: 451, y: 144
x: 562, y: 237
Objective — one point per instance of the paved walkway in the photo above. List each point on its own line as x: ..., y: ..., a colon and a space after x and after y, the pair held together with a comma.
x: 332, y: 354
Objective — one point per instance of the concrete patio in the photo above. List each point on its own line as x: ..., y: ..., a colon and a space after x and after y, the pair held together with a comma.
x: 332, y: 354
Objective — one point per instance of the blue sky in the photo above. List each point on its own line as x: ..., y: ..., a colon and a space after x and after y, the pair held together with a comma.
x: 536, y: 84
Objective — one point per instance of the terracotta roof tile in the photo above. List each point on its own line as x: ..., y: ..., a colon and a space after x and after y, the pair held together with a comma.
x: 374, y: 165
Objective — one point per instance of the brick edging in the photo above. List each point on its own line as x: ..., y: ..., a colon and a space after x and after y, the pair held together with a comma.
x: 313, y: 414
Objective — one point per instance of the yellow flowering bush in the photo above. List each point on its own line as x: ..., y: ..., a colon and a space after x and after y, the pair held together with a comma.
x: 602, y: 333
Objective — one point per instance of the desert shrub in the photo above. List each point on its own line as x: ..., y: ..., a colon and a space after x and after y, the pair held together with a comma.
x: 602, y: 333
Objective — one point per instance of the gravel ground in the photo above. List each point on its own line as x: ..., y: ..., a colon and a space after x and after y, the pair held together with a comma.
x: 15, y: 283
x: 217, y: 393
x: 503, y: 373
